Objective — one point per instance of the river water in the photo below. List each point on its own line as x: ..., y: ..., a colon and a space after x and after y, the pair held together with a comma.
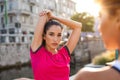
x: 26, y: 71
x: 14, y: 73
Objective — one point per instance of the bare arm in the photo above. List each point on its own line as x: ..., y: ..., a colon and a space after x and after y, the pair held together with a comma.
x: 74, y: 37
x: 37, y: 38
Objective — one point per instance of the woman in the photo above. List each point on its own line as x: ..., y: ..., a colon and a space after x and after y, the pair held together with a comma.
x: 49, y: 62
x: 109, y: 27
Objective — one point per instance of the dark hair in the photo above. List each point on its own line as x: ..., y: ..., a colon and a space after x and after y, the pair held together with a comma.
x: 48, y: 25
x: 111, y: 5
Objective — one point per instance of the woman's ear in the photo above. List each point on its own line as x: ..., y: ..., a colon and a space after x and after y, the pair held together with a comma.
x: 118, y: 22
x: 44, y: 36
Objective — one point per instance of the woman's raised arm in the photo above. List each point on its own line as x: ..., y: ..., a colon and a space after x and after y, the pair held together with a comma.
x: 75, y: 26
x: 74, y: 36
x: 38, y: 33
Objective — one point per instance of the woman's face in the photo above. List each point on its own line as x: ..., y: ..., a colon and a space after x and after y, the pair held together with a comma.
x: 53, y: 37
x: 109, y: 30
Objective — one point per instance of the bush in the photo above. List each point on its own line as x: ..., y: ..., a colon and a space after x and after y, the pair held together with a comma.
x: 103, y: 58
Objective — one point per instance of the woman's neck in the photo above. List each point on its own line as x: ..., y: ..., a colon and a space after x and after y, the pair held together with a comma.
x: 53, y: 51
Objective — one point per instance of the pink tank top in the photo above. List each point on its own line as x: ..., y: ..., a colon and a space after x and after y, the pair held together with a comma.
x: 47, y: 66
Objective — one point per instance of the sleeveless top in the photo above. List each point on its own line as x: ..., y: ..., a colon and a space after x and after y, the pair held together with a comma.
x: 115, y: 65
x: 48, y: 66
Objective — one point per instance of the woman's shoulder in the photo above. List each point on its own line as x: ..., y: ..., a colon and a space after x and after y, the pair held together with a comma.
x: 64, y: 49
x: 41, y: 47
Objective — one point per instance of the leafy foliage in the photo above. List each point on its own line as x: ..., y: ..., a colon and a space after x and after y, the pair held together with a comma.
x: 86, y: 19
x: 103, y: 58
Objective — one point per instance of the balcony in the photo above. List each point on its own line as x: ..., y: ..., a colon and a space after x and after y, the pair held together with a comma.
x: 33, y: 2
x: 25, y: 12
x: 12, y: 11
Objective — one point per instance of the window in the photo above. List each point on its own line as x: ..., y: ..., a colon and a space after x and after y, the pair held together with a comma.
x: 30, y: 38
x: 3, y: 31
x: 11, y: 19
x: 17, y: 25
x: 12, y: 31
x: 23, y: 39
x: 11, y: 39
x: 3, y: 25
x: 10, y: 5
x: 31, y: 9
x: 24, y: 32
x: 32, y: 33
x: 2, y: 39
x: 2, y: 20
x: 23, y: 19
x: 1, y: 8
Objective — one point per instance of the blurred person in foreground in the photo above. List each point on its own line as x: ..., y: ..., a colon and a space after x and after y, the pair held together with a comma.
x: 109, y: 28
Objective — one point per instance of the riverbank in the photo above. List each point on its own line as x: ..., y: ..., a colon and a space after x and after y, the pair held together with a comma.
x: 71, y: 78
x: 23, y: 72
x: 15, y: 66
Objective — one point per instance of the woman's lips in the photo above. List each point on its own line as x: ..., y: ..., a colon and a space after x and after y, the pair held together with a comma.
x: 55, y: 44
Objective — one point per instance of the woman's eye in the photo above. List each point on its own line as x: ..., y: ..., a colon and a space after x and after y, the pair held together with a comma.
x: 51, y: 34
x: 59, y: 35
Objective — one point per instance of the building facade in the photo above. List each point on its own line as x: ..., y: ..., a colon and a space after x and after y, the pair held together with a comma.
x: 22, y: 17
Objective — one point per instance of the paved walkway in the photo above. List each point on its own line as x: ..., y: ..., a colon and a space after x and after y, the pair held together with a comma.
x: 89, y: 67
x: 23, y: 79
x: 71, y: 78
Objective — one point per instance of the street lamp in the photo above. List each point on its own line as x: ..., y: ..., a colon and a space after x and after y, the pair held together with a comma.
x: 6, y: 15
x: 6, y: 22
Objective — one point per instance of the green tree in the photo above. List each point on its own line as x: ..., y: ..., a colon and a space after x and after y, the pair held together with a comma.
x: 86, y: 19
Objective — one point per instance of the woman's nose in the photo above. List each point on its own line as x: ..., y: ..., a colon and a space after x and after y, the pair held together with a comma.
x: 55, y: 38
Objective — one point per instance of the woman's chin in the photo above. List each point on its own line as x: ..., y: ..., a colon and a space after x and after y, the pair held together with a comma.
x: 54, y: 47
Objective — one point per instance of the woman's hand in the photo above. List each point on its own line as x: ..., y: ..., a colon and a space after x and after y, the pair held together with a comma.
x: 48, y: 13
x: 43, y: 16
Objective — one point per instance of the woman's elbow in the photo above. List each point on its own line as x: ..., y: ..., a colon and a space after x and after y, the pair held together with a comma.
x: 79, y: 25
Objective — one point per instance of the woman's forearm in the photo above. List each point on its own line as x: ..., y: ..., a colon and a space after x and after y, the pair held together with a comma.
x: 40, y: 26
x: 70, y: 23
x: 37, y: 38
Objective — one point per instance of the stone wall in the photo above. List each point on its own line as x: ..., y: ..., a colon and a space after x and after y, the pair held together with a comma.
x: 89, y: 47
x: 11, y: 54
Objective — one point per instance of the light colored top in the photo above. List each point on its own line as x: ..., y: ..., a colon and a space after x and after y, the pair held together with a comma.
x: 115, y: 64
x: 48, y: 66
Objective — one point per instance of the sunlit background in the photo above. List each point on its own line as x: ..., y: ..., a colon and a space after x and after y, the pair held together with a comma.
x: 87, y: 6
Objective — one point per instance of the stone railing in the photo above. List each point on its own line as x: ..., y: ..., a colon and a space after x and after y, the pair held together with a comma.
x: 11, y: 54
